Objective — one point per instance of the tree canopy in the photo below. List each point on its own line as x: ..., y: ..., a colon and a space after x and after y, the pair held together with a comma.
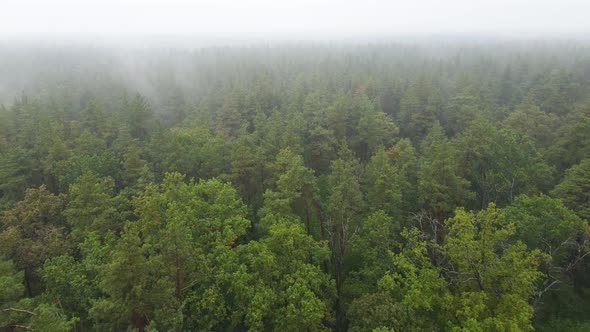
x: 361, y: 187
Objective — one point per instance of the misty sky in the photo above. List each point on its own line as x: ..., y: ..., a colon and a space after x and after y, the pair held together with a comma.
x: 294, y: 18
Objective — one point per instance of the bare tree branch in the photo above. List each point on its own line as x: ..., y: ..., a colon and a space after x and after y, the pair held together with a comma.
x: 17, y: 310
x: 15, y: 325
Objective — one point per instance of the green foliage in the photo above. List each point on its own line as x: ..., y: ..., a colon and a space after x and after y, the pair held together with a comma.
x: 92, y: 207
x: 321, y: 179
x: 478, y: 279
x: 15, y: 174
x: 181, y: 229
x: 294, y: 195
x: 529, y: 120
x: 374, y: 129
x: 565, y: 325
x: 51, y: 319
x: 500, y: 164
x: 133, y: 166
x: 384, y: 185
x: 33, y: 231
x: 368, y: 259
x: 418, y: 109
x: 136, y: 285
x: 68, y: 284
x: 11, y: 285
x: 546, y: 224
x: 285, y: 288
x: 572, y: 144
x: 23, y: 313
x: 139, y: 116
x: 411, y: 294
x: 95, y: 160
x: 493, y: 276
x: 440, y: 186
x: 403, y: 156
x: 574, y: 189
x: 196, y: 152
x: 345, y: 202
x: 462, y: 110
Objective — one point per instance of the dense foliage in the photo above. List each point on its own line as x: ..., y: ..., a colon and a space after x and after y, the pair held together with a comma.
x: 390, y: 187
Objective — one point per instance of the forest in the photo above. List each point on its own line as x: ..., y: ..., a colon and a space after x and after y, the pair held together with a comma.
x: 387, y: 186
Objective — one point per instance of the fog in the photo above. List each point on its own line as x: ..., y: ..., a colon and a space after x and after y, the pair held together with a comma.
x: 109, y: 20
x: 46, y: 45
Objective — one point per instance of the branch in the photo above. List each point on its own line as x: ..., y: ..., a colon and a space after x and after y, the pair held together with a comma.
x: 15, y: 325
x: 17, y: 310
x: 578, y: 259
x: 543, y: 291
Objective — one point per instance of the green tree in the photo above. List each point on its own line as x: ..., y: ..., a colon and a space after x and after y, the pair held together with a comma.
x: 26, y: 314
x: 529, y: 120
x: 440, y: 186
x: 166, y: 261
x: 410, y: 295
x: 11, y: 283
x: 403, y: 156
x: 574, y: 189
x: 138, y: 287
x: 283, y: 287
x: 321, y: 148
x: 231, y: 116
x: 369, y: 255
x: 197, y: 152
x: 139, y: 116
x: 15, y: 175
x: 419, y: 109
x: 373, y: 130
x: 383, y: 185
x: 500, y: 164
x: 295, y: 191
x: 69, y: 285
x: 492, y: 276
x: 544, y: 223
x: 32, y: 232
x: 94, y: 119
x: 462, y: 109
x: 344, y: 209
x: 572, y: 143
x: 133, y: 166
x: 92, y: 207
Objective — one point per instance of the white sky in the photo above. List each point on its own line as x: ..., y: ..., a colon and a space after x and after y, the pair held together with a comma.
x: 294, y: 18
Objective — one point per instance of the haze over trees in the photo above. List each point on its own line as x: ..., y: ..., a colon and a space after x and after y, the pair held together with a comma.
x: 393, y: 186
